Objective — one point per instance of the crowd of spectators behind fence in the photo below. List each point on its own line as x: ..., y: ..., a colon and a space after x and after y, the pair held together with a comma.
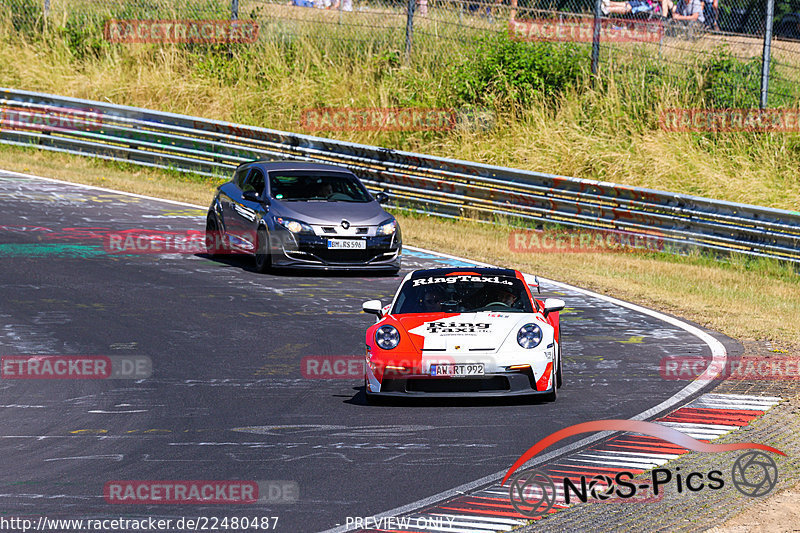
x: 699, y: 12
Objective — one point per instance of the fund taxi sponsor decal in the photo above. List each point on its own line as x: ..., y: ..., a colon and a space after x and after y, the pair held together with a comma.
x: 463, y: 279
x: 457, y: 327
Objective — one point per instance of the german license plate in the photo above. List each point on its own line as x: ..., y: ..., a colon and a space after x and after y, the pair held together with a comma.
x: 346, y: 244
x: 457, y: 370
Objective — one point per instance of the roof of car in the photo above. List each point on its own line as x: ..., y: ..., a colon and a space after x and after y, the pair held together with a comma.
x: 482, y: 271
x: 270, y: 166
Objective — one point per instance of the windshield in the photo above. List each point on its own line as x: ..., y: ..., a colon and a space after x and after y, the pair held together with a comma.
x: 463, y: 294
x: 323, y: 187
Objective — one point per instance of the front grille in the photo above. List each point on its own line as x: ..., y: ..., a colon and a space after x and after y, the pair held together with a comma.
x: 345, y: 256
x: 348, y: 256
x: 429, y: 385
x: 379, y: 249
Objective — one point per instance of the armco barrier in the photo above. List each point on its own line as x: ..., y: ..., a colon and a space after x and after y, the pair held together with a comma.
x: 423, y: 183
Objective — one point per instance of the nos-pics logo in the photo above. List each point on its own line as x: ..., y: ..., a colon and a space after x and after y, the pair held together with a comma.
x: 533, y: 493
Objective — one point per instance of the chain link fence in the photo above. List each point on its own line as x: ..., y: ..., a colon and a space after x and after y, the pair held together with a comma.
x: 712, y: 47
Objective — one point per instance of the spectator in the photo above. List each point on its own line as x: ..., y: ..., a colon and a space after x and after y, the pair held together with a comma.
x: 711, y: 13
x: 346, y: 5
x: 422, y: 8
x: 687, y: 11
x: 494, y: 9
x: 631, y: 6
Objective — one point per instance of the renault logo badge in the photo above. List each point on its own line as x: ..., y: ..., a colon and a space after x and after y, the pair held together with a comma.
x: 345, y: 224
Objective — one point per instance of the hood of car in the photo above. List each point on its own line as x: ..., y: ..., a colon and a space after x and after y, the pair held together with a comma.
x: 332, y: 213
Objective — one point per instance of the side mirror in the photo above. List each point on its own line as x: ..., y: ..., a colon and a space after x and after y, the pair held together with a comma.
x: 382, y: 197
x: 252, y: 196
x: 553, y: 304
x: 373, y: 307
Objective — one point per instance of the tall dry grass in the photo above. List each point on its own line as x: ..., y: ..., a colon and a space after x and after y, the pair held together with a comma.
x: 608, y: 131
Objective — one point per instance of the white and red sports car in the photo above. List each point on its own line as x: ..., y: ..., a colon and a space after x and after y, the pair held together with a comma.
x: 464, y: 332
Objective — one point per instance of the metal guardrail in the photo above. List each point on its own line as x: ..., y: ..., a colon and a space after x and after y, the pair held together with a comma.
x: 422, y: 183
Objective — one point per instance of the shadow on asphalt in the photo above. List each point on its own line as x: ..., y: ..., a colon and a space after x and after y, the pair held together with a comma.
x: 360, y: 399
x: 247, y: 263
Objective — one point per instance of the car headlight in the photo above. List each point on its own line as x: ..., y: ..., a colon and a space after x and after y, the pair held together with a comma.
x: 293, y: 225
x: 387, y: 228
x: 529, y: 336
x: 387, y: 337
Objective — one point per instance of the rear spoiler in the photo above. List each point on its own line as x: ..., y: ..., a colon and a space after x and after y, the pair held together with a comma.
x: 533, y: 281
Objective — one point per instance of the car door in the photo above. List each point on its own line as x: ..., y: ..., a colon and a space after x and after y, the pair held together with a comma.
x: 247, y: 213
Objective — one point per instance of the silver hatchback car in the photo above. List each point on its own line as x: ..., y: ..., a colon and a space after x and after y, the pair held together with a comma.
x: 303, y: 215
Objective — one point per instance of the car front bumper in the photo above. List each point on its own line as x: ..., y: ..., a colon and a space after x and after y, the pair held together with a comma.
x: 312, y: 252
x: 488, y: 385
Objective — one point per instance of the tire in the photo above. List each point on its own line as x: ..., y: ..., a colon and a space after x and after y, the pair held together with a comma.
x: 553, y: 394
x: 371, y: 399
x: 559, y: 369
x: 263, y: 255
x: 213, y: 236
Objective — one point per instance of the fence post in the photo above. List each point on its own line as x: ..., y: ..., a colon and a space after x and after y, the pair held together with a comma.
x: 767, y: 53
x: 596, y: 38
x: 46, y: 8
x: 234, y: 9
x: 409, y: 27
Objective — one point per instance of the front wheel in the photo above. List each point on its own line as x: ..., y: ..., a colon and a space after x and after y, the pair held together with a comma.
x: 214, y: 236
x: 263, y: 256
x: 559, y: 370
x: 371, y: 399
x: 552, y: 395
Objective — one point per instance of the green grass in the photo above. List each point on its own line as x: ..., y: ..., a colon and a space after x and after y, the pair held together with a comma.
x: 550, y: 116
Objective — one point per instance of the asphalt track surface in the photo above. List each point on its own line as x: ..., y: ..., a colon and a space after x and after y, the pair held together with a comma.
x: 227, y: 399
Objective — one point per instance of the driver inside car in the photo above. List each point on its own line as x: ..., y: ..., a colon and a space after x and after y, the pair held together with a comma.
x: 324, y: 190
x: 431, y: 301
x: 502, y: 295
